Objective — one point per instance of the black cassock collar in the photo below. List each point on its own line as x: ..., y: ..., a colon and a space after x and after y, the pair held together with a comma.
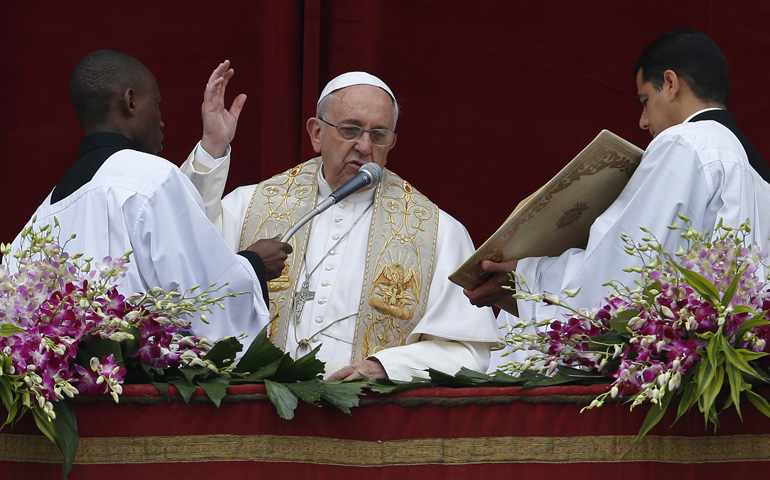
x: 728, y: 120
x: 95, y: 149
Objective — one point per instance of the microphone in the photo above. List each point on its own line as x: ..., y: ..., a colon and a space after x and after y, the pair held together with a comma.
x: 368, y: 175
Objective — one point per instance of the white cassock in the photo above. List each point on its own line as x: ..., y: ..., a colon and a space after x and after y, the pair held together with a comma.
x: 698, y: 169
x: 337, y: 280
x: 141, y: 202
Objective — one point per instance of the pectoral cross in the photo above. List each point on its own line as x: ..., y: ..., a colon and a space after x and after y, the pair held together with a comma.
x: 303, y: 295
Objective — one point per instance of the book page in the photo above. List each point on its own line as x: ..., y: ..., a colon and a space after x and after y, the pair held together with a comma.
x: 559, y: 215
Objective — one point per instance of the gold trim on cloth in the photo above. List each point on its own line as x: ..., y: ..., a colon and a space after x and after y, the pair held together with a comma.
x: 276, y: 205
x: 363, y: 453
x: 399, y: 259
x: 399, y: 266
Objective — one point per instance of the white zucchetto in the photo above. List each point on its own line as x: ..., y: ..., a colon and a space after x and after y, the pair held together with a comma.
x: 354, y: 78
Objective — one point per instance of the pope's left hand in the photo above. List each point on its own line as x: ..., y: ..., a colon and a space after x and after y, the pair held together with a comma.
x: 219, y: 123
x: 369, y: 368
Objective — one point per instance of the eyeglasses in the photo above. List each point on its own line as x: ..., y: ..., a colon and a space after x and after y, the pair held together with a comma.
x: 382, y: 137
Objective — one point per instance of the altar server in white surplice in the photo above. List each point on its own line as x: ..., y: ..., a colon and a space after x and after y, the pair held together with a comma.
x: 119, y: 197
x: 698, y: 164
x: 368, y: 277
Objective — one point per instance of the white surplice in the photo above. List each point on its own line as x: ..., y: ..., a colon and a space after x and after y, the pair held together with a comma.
x: 698, y: 169
x: 142, y: 202
x: 452, y: 333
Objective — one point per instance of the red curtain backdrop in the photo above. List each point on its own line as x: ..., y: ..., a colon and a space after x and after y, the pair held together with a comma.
x: 496, y: 96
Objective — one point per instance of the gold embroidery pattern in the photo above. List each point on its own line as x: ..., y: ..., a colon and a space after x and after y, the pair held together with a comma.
x: 608, y: 158
x: 318, y: 450
x: 280, y: 201
x: 404, y: 225
x: 395, y: 292
x: 572, y: 215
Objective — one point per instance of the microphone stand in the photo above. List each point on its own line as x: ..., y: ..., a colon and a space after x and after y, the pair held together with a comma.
x: 370, y: 173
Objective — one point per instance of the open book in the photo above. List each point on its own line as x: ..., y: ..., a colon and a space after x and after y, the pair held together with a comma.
x: 559, y: 215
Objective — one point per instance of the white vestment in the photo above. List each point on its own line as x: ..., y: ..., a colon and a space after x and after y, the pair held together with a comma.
x: 141, y: 202
x: 698, y: 169
x: 338, y: 281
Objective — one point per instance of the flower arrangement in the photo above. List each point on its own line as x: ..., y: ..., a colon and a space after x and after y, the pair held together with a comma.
x: 58, y: 312
x: 66, y: 330
x: 694, y: 323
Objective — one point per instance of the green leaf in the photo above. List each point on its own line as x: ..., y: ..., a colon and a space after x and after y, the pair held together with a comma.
x: 758, y: 320
x: 712, y: 391
x: 706, y: 374
x: 224, y: 352
x: 306, y: 368
x: 736, y: 387
x: 191, y: 372
x: 162, y: 388
x: 284, y: 400
x: 13, y: 405
x: 260, y: 353
x: 309, y: 366
x: 440, y: 378
x: 648, y: 294
x: 619, y: 322
x: 500, y: 377
x: 700, y: 284
x: 689, y: 397
x: 745, y: 309
x: 185, y: 387
x: 343, y: 395
x: 610, y: 338
x: 98, y: 347
x: 215, y: 388
x: 6, y: 330
x: 264, y: 372
x: 762, y: 374
x: 130, y: 346
x: 713, y: 417
x: 735, y: 357
x: 7, y: 397
x: 472, y: 377
x: 45, y: 425
x: 12, y: 414
x: 758, y: 402
x: 153, y: 376
x: 66, y: 427
x: 729, y: 292
x: 653, y: 416
x: 748, y: 355
x: 308, y: 390
x: 386, y: 386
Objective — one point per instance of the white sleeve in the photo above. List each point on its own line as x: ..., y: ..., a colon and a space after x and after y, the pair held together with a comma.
x: 209, y: 175
x: 413, y: 360
x: 175, y: 242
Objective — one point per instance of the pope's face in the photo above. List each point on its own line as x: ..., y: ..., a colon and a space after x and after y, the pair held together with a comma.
x: 364, y: 105
x: 657, y: 110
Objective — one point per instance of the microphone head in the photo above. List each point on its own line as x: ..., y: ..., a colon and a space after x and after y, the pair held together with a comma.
x: 373, y: 171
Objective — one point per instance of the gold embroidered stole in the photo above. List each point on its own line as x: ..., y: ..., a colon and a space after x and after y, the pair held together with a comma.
x: 399, y: 258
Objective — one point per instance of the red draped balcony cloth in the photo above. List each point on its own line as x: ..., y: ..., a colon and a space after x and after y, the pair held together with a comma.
x: 424, y: 434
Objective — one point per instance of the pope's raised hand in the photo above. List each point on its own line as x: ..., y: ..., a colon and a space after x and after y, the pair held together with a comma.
x: 219, y: 123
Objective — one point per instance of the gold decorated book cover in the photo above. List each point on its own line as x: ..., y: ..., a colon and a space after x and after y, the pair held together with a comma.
x: 559, y: 215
